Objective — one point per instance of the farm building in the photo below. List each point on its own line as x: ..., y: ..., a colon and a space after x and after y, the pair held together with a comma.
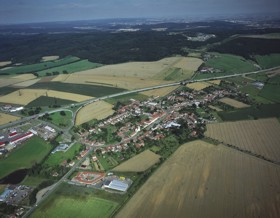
x: 116, y: 185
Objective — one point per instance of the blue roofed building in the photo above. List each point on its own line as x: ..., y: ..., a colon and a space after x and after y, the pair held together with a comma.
x: 117, y: 185
x: 5, y: 194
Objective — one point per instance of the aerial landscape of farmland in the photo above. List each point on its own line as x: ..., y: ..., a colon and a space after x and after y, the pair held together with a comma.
x: 140, y: 109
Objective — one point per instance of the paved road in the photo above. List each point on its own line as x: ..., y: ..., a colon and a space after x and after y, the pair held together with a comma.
x: 84, y: 103
x: 55, y: 186
x: 81, y: 104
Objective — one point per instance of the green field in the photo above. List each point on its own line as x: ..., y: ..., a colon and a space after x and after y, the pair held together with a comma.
x: 263, y: 111
x: 75, y: 201
x: 66, y: 206
x: 174, y: 74
x: 48, y: 101
x: 32, y: 151
x: 58, y: 157
x: 60, y: 120
x: 268, y: 61
x: 228, y: 64
x: 89, y: 90
x: 32, y: 181
x: 126, y: 98
x: 271, y: 90
x: 33, y: 68
x: 254, y: 94
x: 71, y: 68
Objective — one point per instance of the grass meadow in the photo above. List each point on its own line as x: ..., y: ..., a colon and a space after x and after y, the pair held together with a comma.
x: 28, y: 153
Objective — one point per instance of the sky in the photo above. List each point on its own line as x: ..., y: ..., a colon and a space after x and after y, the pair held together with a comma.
x: 25, y: 11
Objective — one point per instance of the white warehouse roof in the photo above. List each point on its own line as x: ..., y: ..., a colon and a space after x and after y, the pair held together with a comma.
x: 118, y: 185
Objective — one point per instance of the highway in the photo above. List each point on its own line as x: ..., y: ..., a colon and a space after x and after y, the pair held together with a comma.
x: 84, y: 103
x: 81, y: 104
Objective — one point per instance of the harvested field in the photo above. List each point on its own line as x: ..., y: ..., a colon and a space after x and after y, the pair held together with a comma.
x: 189, y: 64
x: 135, y: 75
x: 61, y: 78
x: 215, y: 82
x: 215, y: 108
x: 50, y: 58
x: 133, y: 69
x: 6, y: 118
x: 260, y: 137
x: 25, y: 96
x: 198, y: 85
x: 204, y: 180
x: 98, y: 110
x: 139, y: 163
x: 8, y: 80
x: 233, y: 103
x: 160, y: 92
x: 4, y: 63
x: 26, y: 83
x: 129, y: 83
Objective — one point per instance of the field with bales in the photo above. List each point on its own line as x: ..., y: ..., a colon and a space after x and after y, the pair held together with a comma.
x: 261, y: 137
x: 98, y: 110
x: 205, y: 180
x: 139, y: 163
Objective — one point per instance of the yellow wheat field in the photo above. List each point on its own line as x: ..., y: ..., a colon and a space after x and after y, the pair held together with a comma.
x: 258, y: 136
x: 139, y: 163
x: 188, y: 63
x: 4, y: 63
x: 132, y: 75
x: 129, y: 83
x: 6, y: 118
x: 25, y: 96
x: 215, y: 82
x: 234, y: 103
x: 203, y: 180
x: 160, y: 92
x: 26, y: 83
x: 50, y: 58
x: 198, y: 85
x: 98, y: 110
x: 215, y: 108
x: 11, y: 80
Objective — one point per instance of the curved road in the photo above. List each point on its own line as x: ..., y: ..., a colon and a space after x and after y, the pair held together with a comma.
x: 84, y: 103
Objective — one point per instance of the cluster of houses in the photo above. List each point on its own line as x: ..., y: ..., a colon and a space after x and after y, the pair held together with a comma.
x: 157, y: 116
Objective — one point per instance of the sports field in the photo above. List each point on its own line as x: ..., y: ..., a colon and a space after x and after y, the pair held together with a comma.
x: 204, y: 180
x: 67, y: 206
x: 234, y: 103
x: 139, y: 163
x: 6, y: 118
x: 30, y: 152
x: 260, y: 137
x: 98, y: 110
x: 25, y: 96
